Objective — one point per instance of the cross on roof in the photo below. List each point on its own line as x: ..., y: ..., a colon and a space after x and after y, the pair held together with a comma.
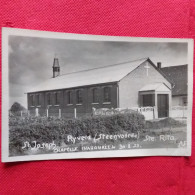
x: 147, y: 68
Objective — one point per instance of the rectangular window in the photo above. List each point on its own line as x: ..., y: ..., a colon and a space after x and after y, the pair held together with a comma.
x: 79, y: 97
x: 32, y: 100
x: 69, y: 98
x: 49, y: 97
x: 38, y: 102
x: 107, y: 94
x: 148, y: 100
x: 185, y: 101
x: 57, y: 98
x: 95, y: 95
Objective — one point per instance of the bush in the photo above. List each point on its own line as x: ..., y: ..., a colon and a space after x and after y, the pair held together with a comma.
x: 42, y: 129
x: 167, y: 122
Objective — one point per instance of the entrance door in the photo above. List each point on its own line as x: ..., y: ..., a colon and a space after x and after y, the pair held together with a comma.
x: 163, y: 105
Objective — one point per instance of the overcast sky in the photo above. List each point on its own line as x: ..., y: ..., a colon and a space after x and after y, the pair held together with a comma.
x: 31, y: 59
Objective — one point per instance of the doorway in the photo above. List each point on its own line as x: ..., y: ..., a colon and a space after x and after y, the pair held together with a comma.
x: 163, y: 105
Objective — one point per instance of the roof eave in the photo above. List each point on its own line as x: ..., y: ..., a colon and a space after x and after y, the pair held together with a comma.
x: 172, y: 84
x: 114, y: 82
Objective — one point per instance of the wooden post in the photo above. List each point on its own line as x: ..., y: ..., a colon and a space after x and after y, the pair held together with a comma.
x: 93, y: 111
x: 21, y: 113
x: 153, y: 113
x: 75, y: 113
x: 47, y: 112
x: 36, y: 112
x: 60, y: 114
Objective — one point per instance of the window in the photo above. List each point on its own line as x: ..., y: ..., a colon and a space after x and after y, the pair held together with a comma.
x: 107, y: 94
x: 69, y: 94
x: 32, y: 100
x: 185, y: 101
x: 57, y: 98
x: 148, y: 100
x: 49, y: 102
x: 95, y: 95
x: 79, y: 97
x: 38, y: 102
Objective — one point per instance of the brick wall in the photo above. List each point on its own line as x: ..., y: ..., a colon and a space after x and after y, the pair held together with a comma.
x: 68, y: 110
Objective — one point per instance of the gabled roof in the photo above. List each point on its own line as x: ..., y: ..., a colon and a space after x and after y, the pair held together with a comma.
x: 106, y: 74
x: 155, y: 87
x: 178, y: 76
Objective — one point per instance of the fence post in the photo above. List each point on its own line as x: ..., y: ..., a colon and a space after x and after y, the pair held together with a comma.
x: 47, y: 112
x: 36, y: 112
x: 153, y: 113
x: 60, y: 114
x: 93, y: 111
x: 75, y: 113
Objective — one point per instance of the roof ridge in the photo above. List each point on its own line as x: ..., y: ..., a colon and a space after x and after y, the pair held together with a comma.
x: 102, y: 67
x: 174, y: 66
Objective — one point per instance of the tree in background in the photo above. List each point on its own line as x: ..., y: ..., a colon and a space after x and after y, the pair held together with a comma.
x: 16, y: 107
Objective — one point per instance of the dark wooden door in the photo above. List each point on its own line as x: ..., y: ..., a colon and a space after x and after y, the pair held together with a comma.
x: 163, y: 105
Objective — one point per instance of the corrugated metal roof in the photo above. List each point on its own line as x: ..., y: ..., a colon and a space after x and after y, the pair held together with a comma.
x: 107, y: 74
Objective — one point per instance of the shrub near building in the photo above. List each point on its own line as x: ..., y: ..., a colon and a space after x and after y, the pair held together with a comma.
x: 47, y: 130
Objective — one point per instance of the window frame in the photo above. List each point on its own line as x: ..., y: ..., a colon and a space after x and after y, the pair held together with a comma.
x: 57, y: 98
x: 49, y: 101
x: 148, y: 100
x: 95, y: 96
x: 38, y: 102
x: 107, y: 99
x: 69, y: 98
x: 32, y: 100
x: 79, y: 92
x: 185, y: 101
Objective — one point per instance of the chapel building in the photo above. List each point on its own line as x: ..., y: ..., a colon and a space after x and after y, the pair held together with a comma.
x: 138, y: 83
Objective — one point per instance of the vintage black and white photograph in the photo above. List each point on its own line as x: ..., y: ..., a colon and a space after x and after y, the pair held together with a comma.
x: 84, y: 96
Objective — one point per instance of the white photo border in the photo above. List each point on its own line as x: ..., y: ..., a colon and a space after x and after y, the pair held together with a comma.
x: 95, y: 154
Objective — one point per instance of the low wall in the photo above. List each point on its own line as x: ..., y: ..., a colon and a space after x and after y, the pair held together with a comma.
x: 148, y: 112
x: 179, y: 112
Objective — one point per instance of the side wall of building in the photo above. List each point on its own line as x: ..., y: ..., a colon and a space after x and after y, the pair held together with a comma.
x: 67, y: 110
x: 130, y: 85
x: 179, y: 100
